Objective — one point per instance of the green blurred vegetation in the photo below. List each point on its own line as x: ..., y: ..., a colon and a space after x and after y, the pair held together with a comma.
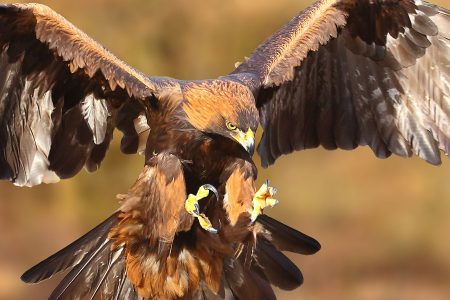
x: 384, y: 224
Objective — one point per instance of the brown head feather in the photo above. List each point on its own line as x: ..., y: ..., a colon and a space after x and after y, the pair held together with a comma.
x: 210, y: 104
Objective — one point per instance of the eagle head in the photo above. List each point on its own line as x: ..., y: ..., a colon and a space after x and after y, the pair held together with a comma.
x: 225, y: 108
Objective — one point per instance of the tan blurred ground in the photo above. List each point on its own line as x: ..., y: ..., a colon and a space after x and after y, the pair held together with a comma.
x: 384, y: 224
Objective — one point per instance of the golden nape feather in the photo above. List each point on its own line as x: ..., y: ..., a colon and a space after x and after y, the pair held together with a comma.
x: 340, y: 74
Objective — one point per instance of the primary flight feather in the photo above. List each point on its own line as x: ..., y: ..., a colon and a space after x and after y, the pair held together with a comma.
x: 340, y: 74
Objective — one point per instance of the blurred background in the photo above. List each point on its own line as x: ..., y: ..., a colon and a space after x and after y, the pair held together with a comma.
x: 383, y: 224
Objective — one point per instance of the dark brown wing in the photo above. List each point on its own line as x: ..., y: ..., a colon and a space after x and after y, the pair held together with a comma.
x: 60, y: 94
x: 348, y: 73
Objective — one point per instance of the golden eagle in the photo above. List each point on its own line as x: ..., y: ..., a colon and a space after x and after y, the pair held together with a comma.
x: 342, y: 73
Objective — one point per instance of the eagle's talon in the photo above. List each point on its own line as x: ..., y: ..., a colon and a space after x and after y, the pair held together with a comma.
x: 263, y: 198
x: 205, y: 223
x: 192, y: 207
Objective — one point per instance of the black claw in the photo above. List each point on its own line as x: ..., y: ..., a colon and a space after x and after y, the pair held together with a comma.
x: 197, y: 208
x: 212, y: 189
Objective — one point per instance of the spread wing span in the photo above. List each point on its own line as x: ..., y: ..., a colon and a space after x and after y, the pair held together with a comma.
x: 356, y: 72
x: 61, y: 95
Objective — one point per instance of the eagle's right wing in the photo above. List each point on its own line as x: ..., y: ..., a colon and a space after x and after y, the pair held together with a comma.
x: 61, y: 95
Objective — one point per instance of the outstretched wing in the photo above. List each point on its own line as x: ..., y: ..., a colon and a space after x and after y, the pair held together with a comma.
x: 61, y: 95
x: 355, y: 72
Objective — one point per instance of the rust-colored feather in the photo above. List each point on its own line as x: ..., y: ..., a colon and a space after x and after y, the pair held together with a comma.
x: 239, y: 191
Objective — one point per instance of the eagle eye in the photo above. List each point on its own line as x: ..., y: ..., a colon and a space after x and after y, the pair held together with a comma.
x: 231, y: 126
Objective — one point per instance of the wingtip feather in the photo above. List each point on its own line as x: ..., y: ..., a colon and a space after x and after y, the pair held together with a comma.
x: 287, y: 238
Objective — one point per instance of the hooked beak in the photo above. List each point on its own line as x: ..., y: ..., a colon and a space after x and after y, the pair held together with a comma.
x: 247, y: 140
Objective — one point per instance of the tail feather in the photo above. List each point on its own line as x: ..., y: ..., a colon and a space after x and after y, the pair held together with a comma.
x: 88, y: 270
x: 246, y: 284
x: 70, y: 255
x: 128, y: 292
x: 254, y: 287
x: 117, y: 286
x: 97, y: 265
x: 114, y: 260
x: 279, y: 269
x: 125, y: 289
x: 97, y: 268
x: 286, y: 238
x: 224, y: 294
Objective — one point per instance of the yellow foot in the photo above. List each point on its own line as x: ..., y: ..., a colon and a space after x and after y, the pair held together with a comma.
x: 192, y: 207
x: 263, y: 198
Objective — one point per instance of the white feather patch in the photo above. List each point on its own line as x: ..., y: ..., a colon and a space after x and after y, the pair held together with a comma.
x: 95, y: 112
x: 41, y: 128
x: 31, y: 161
x: 143, y: 130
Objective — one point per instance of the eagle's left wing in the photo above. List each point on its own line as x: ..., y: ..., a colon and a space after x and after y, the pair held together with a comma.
x: 345, y: 73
